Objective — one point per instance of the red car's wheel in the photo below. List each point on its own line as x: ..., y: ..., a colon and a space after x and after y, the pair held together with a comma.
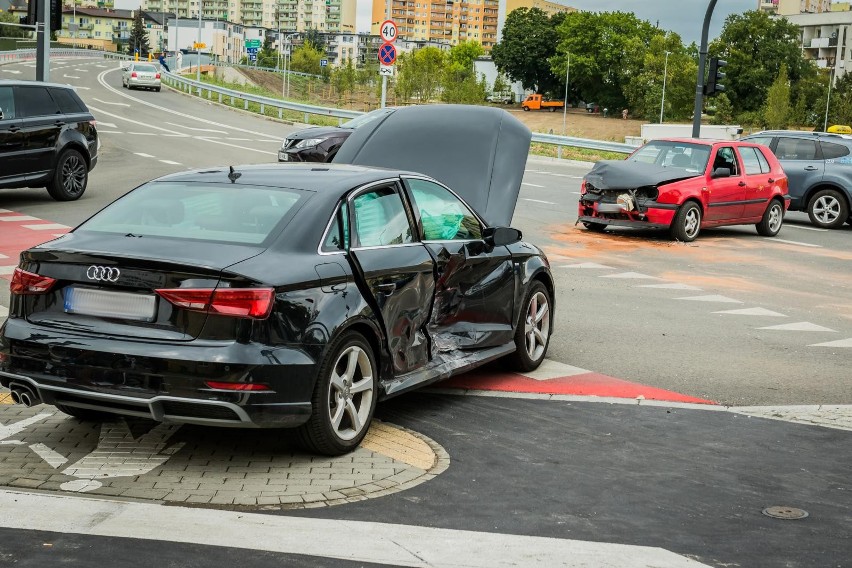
x: 772, y: 220
x: 687, y: 222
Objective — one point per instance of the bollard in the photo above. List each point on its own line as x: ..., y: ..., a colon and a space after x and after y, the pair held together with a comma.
x: 245, y: 106
x: 220, y: 98
x: 307, y: 119
x: 262, y: 110
x: 280, y: 113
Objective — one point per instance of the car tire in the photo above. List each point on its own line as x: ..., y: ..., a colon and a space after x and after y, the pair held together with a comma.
x: 85, y: 414
x: 70, y: 177
x: 594, y: 227
x: 526, y: 108
x: 773, y: 219
x: 552, y: 109
x: 533, y: 330
x: 344, y: 397
x: 687, y: 222
x: 827, y: 209
x: 123, y: 84
x: 157, y: 89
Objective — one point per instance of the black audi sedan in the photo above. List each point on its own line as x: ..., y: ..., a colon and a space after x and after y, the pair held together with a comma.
x: 289, y: 295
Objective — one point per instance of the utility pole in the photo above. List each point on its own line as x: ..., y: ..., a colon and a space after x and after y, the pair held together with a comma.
x: 699, y: 82
x: 43, y: 41
x: 565, y: 105
x: 385, y: 77
x: 828, y: 99
x: 665, y: 73
x: 198, y: 43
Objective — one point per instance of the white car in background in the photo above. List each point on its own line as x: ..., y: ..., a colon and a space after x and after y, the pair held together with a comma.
x: 141, y: 76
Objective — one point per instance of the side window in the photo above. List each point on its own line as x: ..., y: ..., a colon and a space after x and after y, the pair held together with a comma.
x: 751, y: 163
x: 443, y: 215
x: 337, y: 237
x: 765, y: 140
x: 34, y: 101
x: 66, y: 101
x: 764, y: 163
x: 380, y: 219
x: 726, y: 158
x: 796, y: 149
x: 7, y: 103
x: 832, y: 151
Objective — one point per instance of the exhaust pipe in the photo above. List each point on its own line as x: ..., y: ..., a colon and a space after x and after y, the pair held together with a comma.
x: 24, y: 395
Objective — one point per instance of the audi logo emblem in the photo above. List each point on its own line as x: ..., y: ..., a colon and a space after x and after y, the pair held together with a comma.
x: 103, y: 273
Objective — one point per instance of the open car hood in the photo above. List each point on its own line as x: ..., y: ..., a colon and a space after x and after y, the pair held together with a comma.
x: 623, y: 174
x: 479, y: 152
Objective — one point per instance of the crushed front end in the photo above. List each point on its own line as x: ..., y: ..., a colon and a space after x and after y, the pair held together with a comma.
x: 635, y: 207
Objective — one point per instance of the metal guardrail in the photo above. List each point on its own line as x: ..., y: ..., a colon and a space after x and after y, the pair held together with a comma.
x: 199, y: 88
x: 267, y: 69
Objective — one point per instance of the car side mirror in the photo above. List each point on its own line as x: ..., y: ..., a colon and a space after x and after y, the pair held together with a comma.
x: 501, y: 236
x: 721, y: 173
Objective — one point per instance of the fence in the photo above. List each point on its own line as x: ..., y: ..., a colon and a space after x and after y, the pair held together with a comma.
x: 191, y: 86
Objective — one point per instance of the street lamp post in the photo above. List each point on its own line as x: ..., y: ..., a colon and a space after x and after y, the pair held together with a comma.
x: 665, y: 73
x: 565, y: 104
x: 828, y: 99
x: 699, y: 82
x: 198, y: 43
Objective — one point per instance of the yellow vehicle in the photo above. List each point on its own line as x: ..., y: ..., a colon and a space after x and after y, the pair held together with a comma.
x: 840, y: 129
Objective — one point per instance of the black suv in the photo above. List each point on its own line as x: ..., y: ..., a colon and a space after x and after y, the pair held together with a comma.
x: 819, y: 172
x: 47, y: 138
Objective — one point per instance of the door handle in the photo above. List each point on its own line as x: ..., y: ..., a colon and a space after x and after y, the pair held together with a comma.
x: 770, y: 180
x: 742, y: 184
x: 387, y: 288
x: 14, y: 129
x: 811, y: 169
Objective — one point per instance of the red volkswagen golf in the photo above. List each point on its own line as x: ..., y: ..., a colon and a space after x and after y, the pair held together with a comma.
x: 684, y: 185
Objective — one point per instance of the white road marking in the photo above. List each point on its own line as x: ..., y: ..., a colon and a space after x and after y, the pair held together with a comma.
x: 143, y: 133
x: 799, y: 326
x: 531, y: 184
x: 630, y: 275
x: 776, y: 240
x: 838, y: 343
x: 53, y: 458
x: 109, y: 103
x: 588, y: 265
x: 110, y: 132
x: 143, y: 155
x: 538, y: 201
x: 359, y: 541
x: 549, y: 370
x: 71, y: 77
x: 576, y: 193
x: 19, y: 218
x: 47, y: 227
x: 670, y: 286
x: 240, y: 139
x: 9, y: 430
x: 752, y: 312
x: 197, y: 129
x: 8, y: 269
x: 4, y: 312
x: 171, y: 162
x: 711, y: 298
x: 789, y: 226
x: 267, y: 140
x: 107, y: 124
x: 12, y: 71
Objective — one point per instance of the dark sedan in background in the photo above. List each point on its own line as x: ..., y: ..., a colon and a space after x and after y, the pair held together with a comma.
x: 321, y: 143
x: 290, y: 295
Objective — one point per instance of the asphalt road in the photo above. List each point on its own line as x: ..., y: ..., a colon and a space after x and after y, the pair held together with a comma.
x: 667, y: 485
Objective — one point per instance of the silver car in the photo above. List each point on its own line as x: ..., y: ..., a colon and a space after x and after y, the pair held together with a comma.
x: 141, y: 75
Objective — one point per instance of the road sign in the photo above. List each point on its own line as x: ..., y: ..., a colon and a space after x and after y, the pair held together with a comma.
x: 252, y: 50
x: 253, y: 43
x: 387, y: 54
x: 199, y: 45
x: 323, y: 62
x: 386, y: 70
x: 388, y: 31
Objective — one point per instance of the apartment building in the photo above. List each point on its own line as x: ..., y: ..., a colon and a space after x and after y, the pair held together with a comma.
x: 98, y: 28
x: 363, y: 48
x: 791, y: 7
x: 827, y: 39
x: 290, y: 15
x: 546, y: 6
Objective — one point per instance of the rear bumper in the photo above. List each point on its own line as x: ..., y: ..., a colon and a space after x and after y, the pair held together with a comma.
x: 144, y: 82
x: 163, y: 382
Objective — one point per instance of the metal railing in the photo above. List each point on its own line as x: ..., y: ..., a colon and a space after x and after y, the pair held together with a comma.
x: 198, y: 88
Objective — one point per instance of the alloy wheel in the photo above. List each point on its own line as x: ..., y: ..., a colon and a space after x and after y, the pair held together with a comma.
x: 74, y: 175
x: 350, y: 393
x: 537, y: 326
x: 826, y: 209
x: 691, y: 223
x: 775, y: 218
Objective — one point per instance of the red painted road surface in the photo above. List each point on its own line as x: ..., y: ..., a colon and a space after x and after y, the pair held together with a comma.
x: 19, y: 232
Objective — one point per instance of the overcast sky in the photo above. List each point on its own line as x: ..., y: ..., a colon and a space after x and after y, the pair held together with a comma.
x: 682, y: 16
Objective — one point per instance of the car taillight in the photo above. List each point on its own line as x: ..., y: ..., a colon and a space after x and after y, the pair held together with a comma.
x: 157, y: 76
x: 238, y: 302
x: 134, y: 75
x: 582, y: 187
x: 27, y: 283
x: 240, y: 387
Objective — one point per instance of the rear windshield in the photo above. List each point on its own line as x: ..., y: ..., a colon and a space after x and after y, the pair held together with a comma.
x: 680, y: 155
x: 147, y: 68
x: 199, y: 211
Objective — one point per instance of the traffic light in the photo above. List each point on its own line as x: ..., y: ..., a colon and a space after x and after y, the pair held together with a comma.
x: 33, y: 16
x: 714, y: 77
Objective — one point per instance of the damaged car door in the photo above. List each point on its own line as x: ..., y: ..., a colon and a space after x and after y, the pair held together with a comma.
x: 725, y: 193
x: 397, y: 272
x: 475, y: 283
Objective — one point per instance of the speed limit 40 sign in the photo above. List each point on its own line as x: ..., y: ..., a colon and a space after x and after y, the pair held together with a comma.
x: 388, y: 31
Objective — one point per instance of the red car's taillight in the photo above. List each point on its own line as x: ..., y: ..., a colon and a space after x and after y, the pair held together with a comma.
x: 27, y: 283
x: 582, y: 187
x: 238, y: 302
x: 157, y: 76
x: 134, y: 75
x: 239, y: 387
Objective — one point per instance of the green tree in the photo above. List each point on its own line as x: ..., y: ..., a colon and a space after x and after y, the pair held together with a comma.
x: 501, y: 85
x: 316, y: 39
x: 460, y: 84
x: 343, y: 77
x: 724, y: 110
x: 755, y: 46
x: 420, y: 74
x: 840, y: 109
x: 138, y: 36
x: 306, y: 59
x: 776, y: 111
x: 11, y: 31
x: 644, y: 90
x: 528, y: 41
x: 607, y: 50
